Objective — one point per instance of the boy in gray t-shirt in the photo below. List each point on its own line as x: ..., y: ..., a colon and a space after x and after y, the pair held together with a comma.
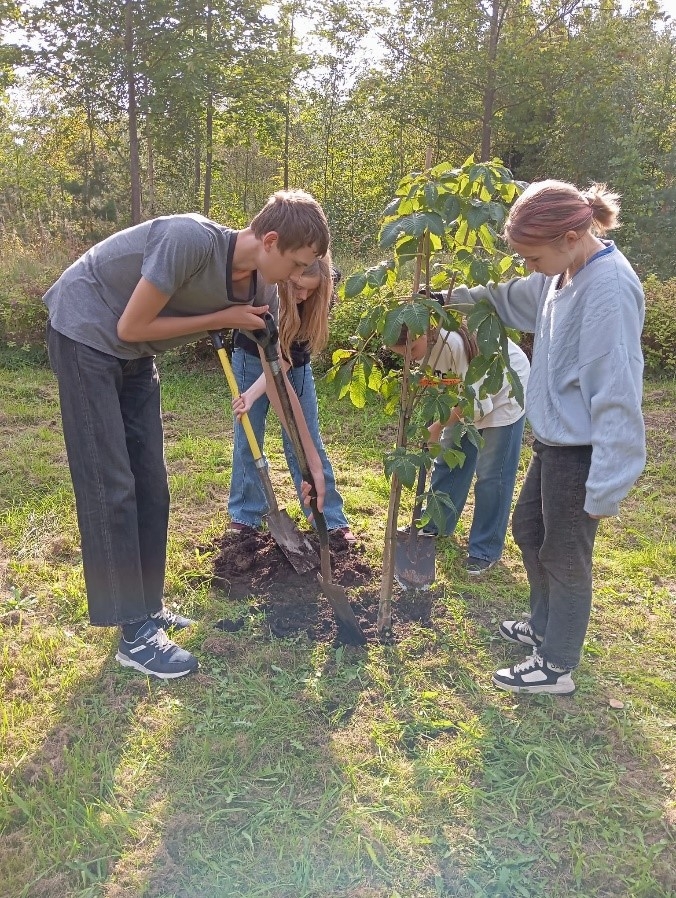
x: 148, y: 288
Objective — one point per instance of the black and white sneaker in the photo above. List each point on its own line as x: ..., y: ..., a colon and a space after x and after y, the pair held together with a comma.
x: 519, y: 631
x: 154, y: 654
x: 535, y: 675
x: 166, y: 620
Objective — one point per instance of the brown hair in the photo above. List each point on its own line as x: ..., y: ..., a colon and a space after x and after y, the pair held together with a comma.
x: 547, y: 210
x: 297, y: 218
x: 309, y: 321
x: 469, y: 342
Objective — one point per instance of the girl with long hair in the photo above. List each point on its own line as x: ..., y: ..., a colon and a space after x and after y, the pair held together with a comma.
x: 305, y: 301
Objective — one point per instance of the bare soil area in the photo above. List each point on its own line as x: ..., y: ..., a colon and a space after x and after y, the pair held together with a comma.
x: 250, y: 564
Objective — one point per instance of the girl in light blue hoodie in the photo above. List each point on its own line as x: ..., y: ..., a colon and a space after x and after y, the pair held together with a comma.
x: 585, y: 306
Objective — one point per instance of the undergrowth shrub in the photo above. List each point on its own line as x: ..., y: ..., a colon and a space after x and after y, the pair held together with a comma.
x: 28, y: 267
x: 659, y: 332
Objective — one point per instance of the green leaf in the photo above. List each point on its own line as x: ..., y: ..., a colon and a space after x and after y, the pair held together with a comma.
x: 477, y: 369
x: 431, y: 194
x: 489, y: 333
x: 479, y: 271
x: 370, y: 321
x: 355, y: 284
x: 494, y: 378
x: 401, y: 463
x: 414, y: 225
x: 478, y: 214
x: 377, y: 276
x: 357, y: 390
x: 391, y: 232
x: 343, y: 375
x: 451, y: 209
x: 516, y: 385
x: 392, y: 208
x: 407, y: 248
x: 481, y: 310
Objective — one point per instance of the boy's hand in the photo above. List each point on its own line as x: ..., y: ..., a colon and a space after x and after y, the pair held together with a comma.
x: 246, y: 318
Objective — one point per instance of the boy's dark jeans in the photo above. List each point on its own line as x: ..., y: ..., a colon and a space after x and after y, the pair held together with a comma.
x: 112, y: 427
x: 556, y: 538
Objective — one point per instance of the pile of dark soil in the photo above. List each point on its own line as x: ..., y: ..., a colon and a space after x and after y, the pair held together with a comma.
x: 250, y: 564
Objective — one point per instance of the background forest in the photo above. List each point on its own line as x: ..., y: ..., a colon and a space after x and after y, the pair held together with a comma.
x: 117, y: 111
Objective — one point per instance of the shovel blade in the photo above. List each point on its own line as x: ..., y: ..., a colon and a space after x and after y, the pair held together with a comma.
x: 414, y: 561
x: 340, y: 605
x: 296, y: 547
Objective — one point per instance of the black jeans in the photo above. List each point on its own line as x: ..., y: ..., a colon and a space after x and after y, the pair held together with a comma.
x: 556, y: 538
x: 112, y: 427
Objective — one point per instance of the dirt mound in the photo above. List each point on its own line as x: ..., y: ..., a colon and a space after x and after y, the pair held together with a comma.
x: 250, y: 564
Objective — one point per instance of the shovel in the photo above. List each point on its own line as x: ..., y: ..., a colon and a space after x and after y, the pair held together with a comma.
x: 282, y: 527
x: 335, y: 594
x: 414, y: 553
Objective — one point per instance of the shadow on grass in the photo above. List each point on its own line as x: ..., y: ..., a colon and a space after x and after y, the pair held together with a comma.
x: 62, y: 816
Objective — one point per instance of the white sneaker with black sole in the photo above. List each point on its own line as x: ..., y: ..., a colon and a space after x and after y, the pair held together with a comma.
x: 519, y: 631
x: 535, y: 675
x: 154, y: 654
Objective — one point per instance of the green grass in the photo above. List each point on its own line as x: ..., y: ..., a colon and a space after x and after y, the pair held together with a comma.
x: 286, y: 768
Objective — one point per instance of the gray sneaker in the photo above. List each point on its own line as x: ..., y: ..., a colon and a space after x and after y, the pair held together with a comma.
x: 154, y: 654
x: 475, y: 567
x: 166, y: 620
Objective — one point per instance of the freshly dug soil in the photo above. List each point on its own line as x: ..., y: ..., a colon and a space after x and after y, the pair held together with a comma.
x: 250, y: 564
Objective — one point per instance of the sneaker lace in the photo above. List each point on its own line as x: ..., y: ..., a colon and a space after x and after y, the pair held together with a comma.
x: 535, y: 660
x: 523, y: 627
x: 160, y: 640
x: 168, y: 616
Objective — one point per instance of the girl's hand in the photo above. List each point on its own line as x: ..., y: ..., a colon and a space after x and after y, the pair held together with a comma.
x: 242, y: 404
x: 435, y: 431
x: 306, y: 492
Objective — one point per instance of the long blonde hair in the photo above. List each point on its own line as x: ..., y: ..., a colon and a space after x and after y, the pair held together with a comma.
x: 309, y: 321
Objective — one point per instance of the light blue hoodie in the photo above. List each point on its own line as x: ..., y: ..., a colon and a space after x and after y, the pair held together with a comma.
x: 586, y: 378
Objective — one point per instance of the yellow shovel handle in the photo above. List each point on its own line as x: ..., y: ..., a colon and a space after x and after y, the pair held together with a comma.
x: 234, y: 389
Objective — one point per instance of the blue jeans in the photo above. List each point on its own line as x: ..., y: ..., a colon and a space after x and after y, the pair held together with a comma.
x: 496, y: 465
x: 556, y: 538
x: 247, y: 504
x: 112, y: 426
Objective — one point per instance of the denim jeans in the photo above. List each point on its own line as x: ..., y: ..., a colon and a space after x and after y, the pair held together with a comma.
x: 247, y: 504
x: 496, y: 465
x: 112, y: 426
x: 556, y: 538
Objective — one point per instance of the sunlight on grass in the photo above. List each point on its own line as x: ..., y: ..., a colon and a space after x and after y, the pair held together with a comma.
x: 292, y: 769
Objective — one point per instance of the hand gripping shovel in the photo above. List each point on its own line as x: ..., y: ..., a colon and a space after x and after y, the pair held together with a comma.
x: 414, y: 553
x: 336, y: 595
x: 283, y: 529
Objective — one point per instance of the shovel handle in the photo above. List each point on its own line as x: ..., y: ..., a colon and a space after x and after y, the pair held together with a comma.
x: 268, y: 339
x: 219, y: 345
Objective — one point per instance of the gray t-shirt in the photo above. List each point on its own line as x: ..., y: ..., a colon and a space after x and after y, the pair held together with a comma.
x: 187, y: 256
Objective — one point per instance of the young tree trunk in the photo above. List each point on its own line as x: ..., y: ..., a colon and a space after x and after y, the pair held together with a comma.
x: 132, y: 114
x: 209, y: 156
x: 287, y: 109
x: 497, y: 15
x: 151, y: 170
x: 209, y: 136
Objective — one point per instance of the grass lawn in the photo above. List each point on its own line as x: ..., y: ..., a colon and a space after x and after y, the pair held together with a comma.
x: 287, y: 769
